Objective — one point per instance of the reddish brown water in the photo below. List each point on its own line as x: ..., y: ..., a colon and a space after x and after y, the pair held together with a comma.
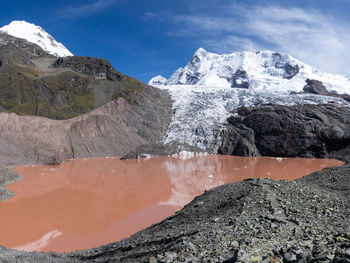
x: 89, y: 202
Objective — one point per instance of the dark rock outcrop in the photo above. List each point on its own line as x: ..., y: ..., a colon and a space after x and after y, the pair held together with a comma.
x: 240, y: 79
x: 315, y: 87
x: 289, y: 70
x: 96, y: 67
x: 288, y: 131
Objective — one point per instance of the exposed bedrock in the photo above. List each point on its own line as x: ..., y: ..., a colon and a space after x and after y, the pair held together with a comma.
x: 111, y: 130
x: 289, y: 70
x: 240, y: 79
x: 315, y: 87
x: 289, y: 131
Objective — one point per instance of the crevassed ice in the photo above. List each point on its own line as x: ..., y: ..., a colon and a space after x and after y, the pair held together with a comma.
x: 205, y: 94
x: 201, y: 112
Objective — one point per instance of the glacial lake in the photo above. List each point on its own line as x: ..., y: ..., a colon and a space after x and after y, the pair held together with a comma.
x: 86, y: 203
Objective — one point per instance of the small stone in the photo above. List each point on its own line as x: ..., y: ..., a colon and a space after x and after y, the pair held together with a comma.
x: 234, y: 244
x: 302, y: 255
x: 340, y: 260
x: 152, y: 260
x: 190, y: 246
x: 170, y: 256
x: 256, y: 259
x: 289, y: 258
x: 274, y: 226
x: 242, y: 256
x: 347, y: 252
x: 191, y: 260
x: 341, y: 239
x: 230, y: 260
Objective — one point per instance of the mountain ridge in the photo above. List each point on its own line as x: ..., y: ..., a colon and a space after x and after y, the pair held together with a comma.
x: 211, y: 87
x: 37, y: 35
x: 210, y: 69
x: 34, y: 82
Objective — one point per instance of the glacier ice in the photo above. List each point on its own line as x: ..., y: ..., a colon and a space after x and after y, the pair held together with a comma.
x: 205, y: 93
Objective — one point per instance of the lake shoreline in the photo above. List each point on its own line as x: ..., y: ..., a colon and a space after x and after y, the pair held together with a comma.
x: 91, y: 202
x: 226, y: 208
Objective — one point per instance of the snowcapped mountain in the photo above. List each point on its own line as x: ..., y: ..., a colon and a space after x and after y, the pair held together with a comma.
x: 253, y: 70
x: 211, y: 86
x: 36, y: 35
x: 158, y: 81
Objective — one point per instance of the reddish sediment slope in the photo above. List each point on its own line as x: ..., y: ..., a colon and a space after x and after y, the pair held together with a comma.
x: 113, y: 129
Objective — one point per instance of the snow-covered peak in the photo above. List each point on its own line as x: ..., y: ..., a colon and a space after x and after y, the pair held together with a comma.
x: 253, y: 70
x: 208, y: 68
x: 210, y: 87
x: 36, y: 35
x: 158, y: 81
x: 201, y: 52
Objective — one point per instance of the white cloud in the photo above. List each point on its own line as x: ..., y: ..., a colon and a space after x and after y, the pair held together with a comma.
x: 230, y: 43
x: 313, y: 37
x: 85, y: 9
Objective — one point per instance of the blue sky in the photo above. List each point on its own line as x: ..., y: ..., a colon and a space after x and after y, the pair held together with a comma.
x: 144, y: 38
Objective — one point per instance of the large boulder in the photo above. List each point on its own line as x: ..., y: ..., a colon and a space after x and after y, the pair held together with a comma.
x: 315, y: 87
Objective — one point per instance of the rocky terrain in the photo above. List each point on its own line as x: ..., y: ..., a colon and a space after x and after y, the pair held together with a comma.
x: 320, y: 131
x: 211, y: 85
x: 105, y: 112
x: 257, y: 220
x: 34, y: 82
x: 111, y: 130
x: 82, y: 107
x: 317, y: 87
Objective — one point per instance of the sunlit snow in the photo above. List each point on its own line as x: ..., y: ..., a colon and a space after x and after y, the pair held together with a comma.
x: 204, y: 96
x: 36, y: 35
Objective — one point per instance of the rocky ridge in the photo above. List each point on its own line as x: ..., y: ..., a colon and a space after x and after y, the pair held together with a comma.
x: 34, y: 82
x: 320, y: 131
x: 210, y: 86
x: 91, y: 109
x: 251, y: 221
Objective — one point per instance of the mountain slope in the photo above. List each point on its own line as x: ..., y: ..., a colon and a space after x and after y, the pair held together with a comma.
x: 111, y: 130
x: 211, y: 86
x: 33, y: 82
x: 94, y: 110
x: 254, y: 70
x: 36, y: 35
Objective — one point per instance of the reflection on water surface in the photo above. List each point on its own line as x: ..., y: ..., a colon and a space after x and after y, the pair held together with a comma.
x: 86, y: 203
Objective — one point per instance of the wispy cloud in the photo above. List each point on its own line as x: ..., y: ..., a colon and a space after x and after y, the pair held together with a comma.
x: 86, y: 9
x: 310, y: 35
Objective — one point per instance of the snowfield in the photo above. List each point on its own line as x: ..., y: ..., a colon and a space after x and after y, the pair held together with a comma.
x: 210, y: 88
x: 36, y: 35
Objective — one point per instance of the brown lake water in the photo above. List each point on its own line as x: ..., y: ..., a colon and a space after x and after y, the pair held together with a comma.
x: 86, y: 203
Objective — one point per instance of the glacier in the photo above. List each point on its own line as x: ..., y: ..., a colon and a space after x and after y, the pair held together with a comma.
x: 210, y: 87
x: 37, y: 35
